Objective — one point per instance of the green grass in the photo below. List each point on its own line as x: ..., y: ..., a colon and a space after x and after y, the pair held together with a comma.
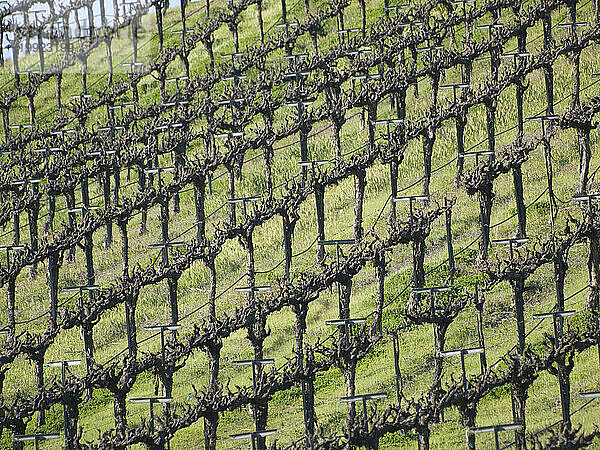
x: 375, y: 372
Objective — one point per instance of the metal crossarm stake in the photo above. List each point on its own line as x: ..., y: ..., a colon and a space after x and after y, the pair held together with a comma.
x: 254, y: 363
x: 176, y: 103
x: 133, y: 66
x: 432, y: 291
x: 345, y: 322
x: 296, y: 56
x: 132, y: 6
x: 231, y: 103
x: 490, y: 27
x: 395, y: 8
x: 347, y: 325
x: 82, y: 209
x: 235, y: 78
x: 462, y: 353
x: 590, y: 395
x: 252, y: 290
x: 176, y: 80
x: 28, y: 72
x: 121, y: 107
x: 186, y: 31
x: 312, y: 164
x: 495, y: 429
x: 61, y: 133
x: 346, y: 33
x: 63, y: 365
x: 387, y: 124
x: 411, y: 25
x: 287, y: 26
x: 26, y: 181
x: 165, y: 246
x: 252, y: 436
x: 112, y: 128
x: 464, y: 4
x: 229, y: 136
x: 337, y: 243
x: 476, y: 154
x: 81, y: 289
x: 366, y: 77
x: 429, y: 48
x: 48, y: 151
x: 556, y: 317
x: 511, y: 242
x: 411, y: 199
x: 571, y: 25
x: 297, y: 75
x: 102, y: 153
x: 244, y: 201
x: 159, y: 171
x: 455, y: 87
x: 587, y: 198
x: 514, y: 56
x: 363, y: 399
x: 360, y: 51
x: 162, y: 329
x: 85, y: 32
x: 152, y: 401
x: 232, y: 57
x: 300, y: 105
x: 543, y: 120
x: 20, y: 127
x: 36, y: 438
x: 168, y: 127
x: 81, y: 97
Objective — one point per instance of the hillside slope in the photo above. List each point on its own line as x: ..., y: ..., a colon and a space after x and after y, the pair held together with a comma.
x: 375, y: 371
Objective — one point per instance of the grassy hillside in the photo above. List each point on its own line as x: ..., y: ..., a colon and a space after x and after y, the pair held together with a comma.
x: 375, y: 373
